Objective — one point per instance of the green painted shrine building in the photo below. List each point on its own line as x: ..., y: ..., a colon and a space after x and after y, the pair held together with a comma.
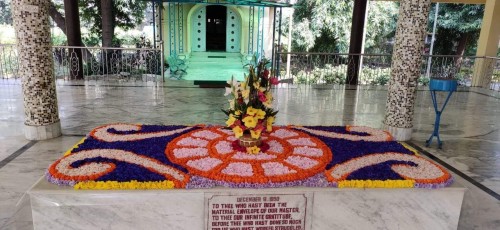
x: 214, y: 40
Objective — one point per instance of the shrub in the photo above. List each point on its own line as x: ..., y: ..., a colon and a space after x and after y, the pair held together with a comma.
x: 375, y: 76
x: 423, y: 80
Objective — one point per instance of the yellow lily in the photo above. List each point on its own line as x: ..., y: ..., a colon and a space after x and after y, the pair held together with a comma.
x: 255, y: 134
x: 269, y: 95
x: 269, y: 123
x: 250, y: 122
x: 245, y: 93
x: 230, y: 121
x: 238, y: 132
x: 253, y: 150
x: 260, y: 114
x: 243, y: 84
x: 251, y: 111
x: 269, y: 102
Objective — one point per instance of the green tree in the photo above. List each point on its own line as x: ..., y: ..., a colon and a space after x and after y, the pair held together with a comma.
x: 381, y: 26
x: 125, y: 14
x: 322, y: 25
x: 5, y: 14
x: 325, y: 25
x: 459, y: 25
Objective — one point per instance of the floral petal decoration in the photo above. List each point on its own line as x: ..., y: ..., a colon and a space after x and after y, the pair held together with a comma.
x: 130, y: 156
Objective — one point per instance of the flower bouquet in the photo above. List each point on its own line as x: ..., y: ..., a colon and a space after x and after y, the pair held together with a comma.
x: 250, y: 110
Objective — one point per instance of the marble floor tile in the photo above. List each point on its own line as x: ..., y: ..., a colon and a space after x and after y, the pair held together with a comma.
x: 21, y: 173
x: 10, y: 144
x: 470, y: 128
x: 477, y: 158
x: 479, y: 209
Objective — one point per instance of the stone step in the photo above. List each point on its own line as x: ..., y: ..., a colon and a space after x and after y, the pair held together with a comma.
x: 214, y: 66
x: 220, y: 62
x: 207, y: 54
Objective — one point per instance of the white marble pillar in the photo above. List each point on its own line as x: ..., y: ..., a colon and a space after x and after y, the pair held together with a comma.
x: 405, y: 68
x: 31, y: 22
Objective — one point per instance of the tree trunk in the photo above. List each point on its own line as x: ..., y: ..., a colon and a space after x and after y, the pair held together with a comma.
x: 74, y: 37
x: 462, y: 44
x: 57, y: 17
x: 108, y: 29
x: 107, y: 23
x: 356, y: 41
x: 61, y: 23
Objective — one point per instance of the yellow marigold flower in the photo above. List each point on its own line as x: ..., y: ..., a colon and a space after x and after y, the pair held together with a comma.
x: 124, y: 185
x: 260, y: 114
x: 253, y: 150
x: 255, y: 134
x: 238, y: 132
x: 251, y: 111
x: 230, y: 121
x: 250, y: 122
x: 376, y: 184
x: 269, y: 123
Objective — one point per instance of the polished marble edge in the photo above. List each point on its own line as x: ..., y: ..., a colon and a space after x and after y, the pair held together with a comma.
x: 456, y: 171
x: 17, y: 153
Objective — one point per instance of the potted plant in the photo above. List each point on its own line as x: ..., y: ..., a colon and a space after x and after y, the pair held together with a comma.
x: 250, y: 110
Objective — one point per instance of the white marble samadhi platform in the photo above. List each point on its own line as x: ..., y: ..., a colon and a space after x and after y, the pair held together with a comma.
x: 55, y: 207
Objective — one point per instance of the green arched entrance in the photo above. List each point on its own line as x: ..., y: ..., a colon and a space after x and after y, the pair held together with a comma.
x: 215, y: 28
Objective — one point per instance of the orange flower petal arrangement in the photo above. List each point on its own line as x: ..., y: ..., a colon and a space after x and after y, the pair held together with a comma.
x: 126, y: 156
x: 249, y: 152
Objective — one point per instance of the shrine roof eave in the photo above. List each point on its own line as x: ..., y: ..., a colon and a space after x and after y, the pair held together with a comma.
x: 269, y: 3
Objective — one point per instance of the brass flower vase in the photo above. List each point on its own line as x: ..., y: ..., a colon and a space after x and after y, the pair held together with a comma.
x: 247, y: 141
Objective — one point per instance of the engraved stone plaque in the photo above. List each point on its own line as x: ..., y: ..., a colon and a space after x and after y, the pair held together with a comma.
x: 256, y: 212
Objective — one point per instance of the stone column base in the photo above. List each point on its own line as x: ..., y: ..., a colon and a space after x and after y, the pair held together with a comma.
x: 43, y: 132
x: 399, y: 134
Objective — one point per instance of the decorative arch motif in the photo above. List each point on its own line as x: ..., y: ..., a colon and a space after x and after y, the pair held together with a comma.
x: 233, y: 31
x: 198, y: 30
